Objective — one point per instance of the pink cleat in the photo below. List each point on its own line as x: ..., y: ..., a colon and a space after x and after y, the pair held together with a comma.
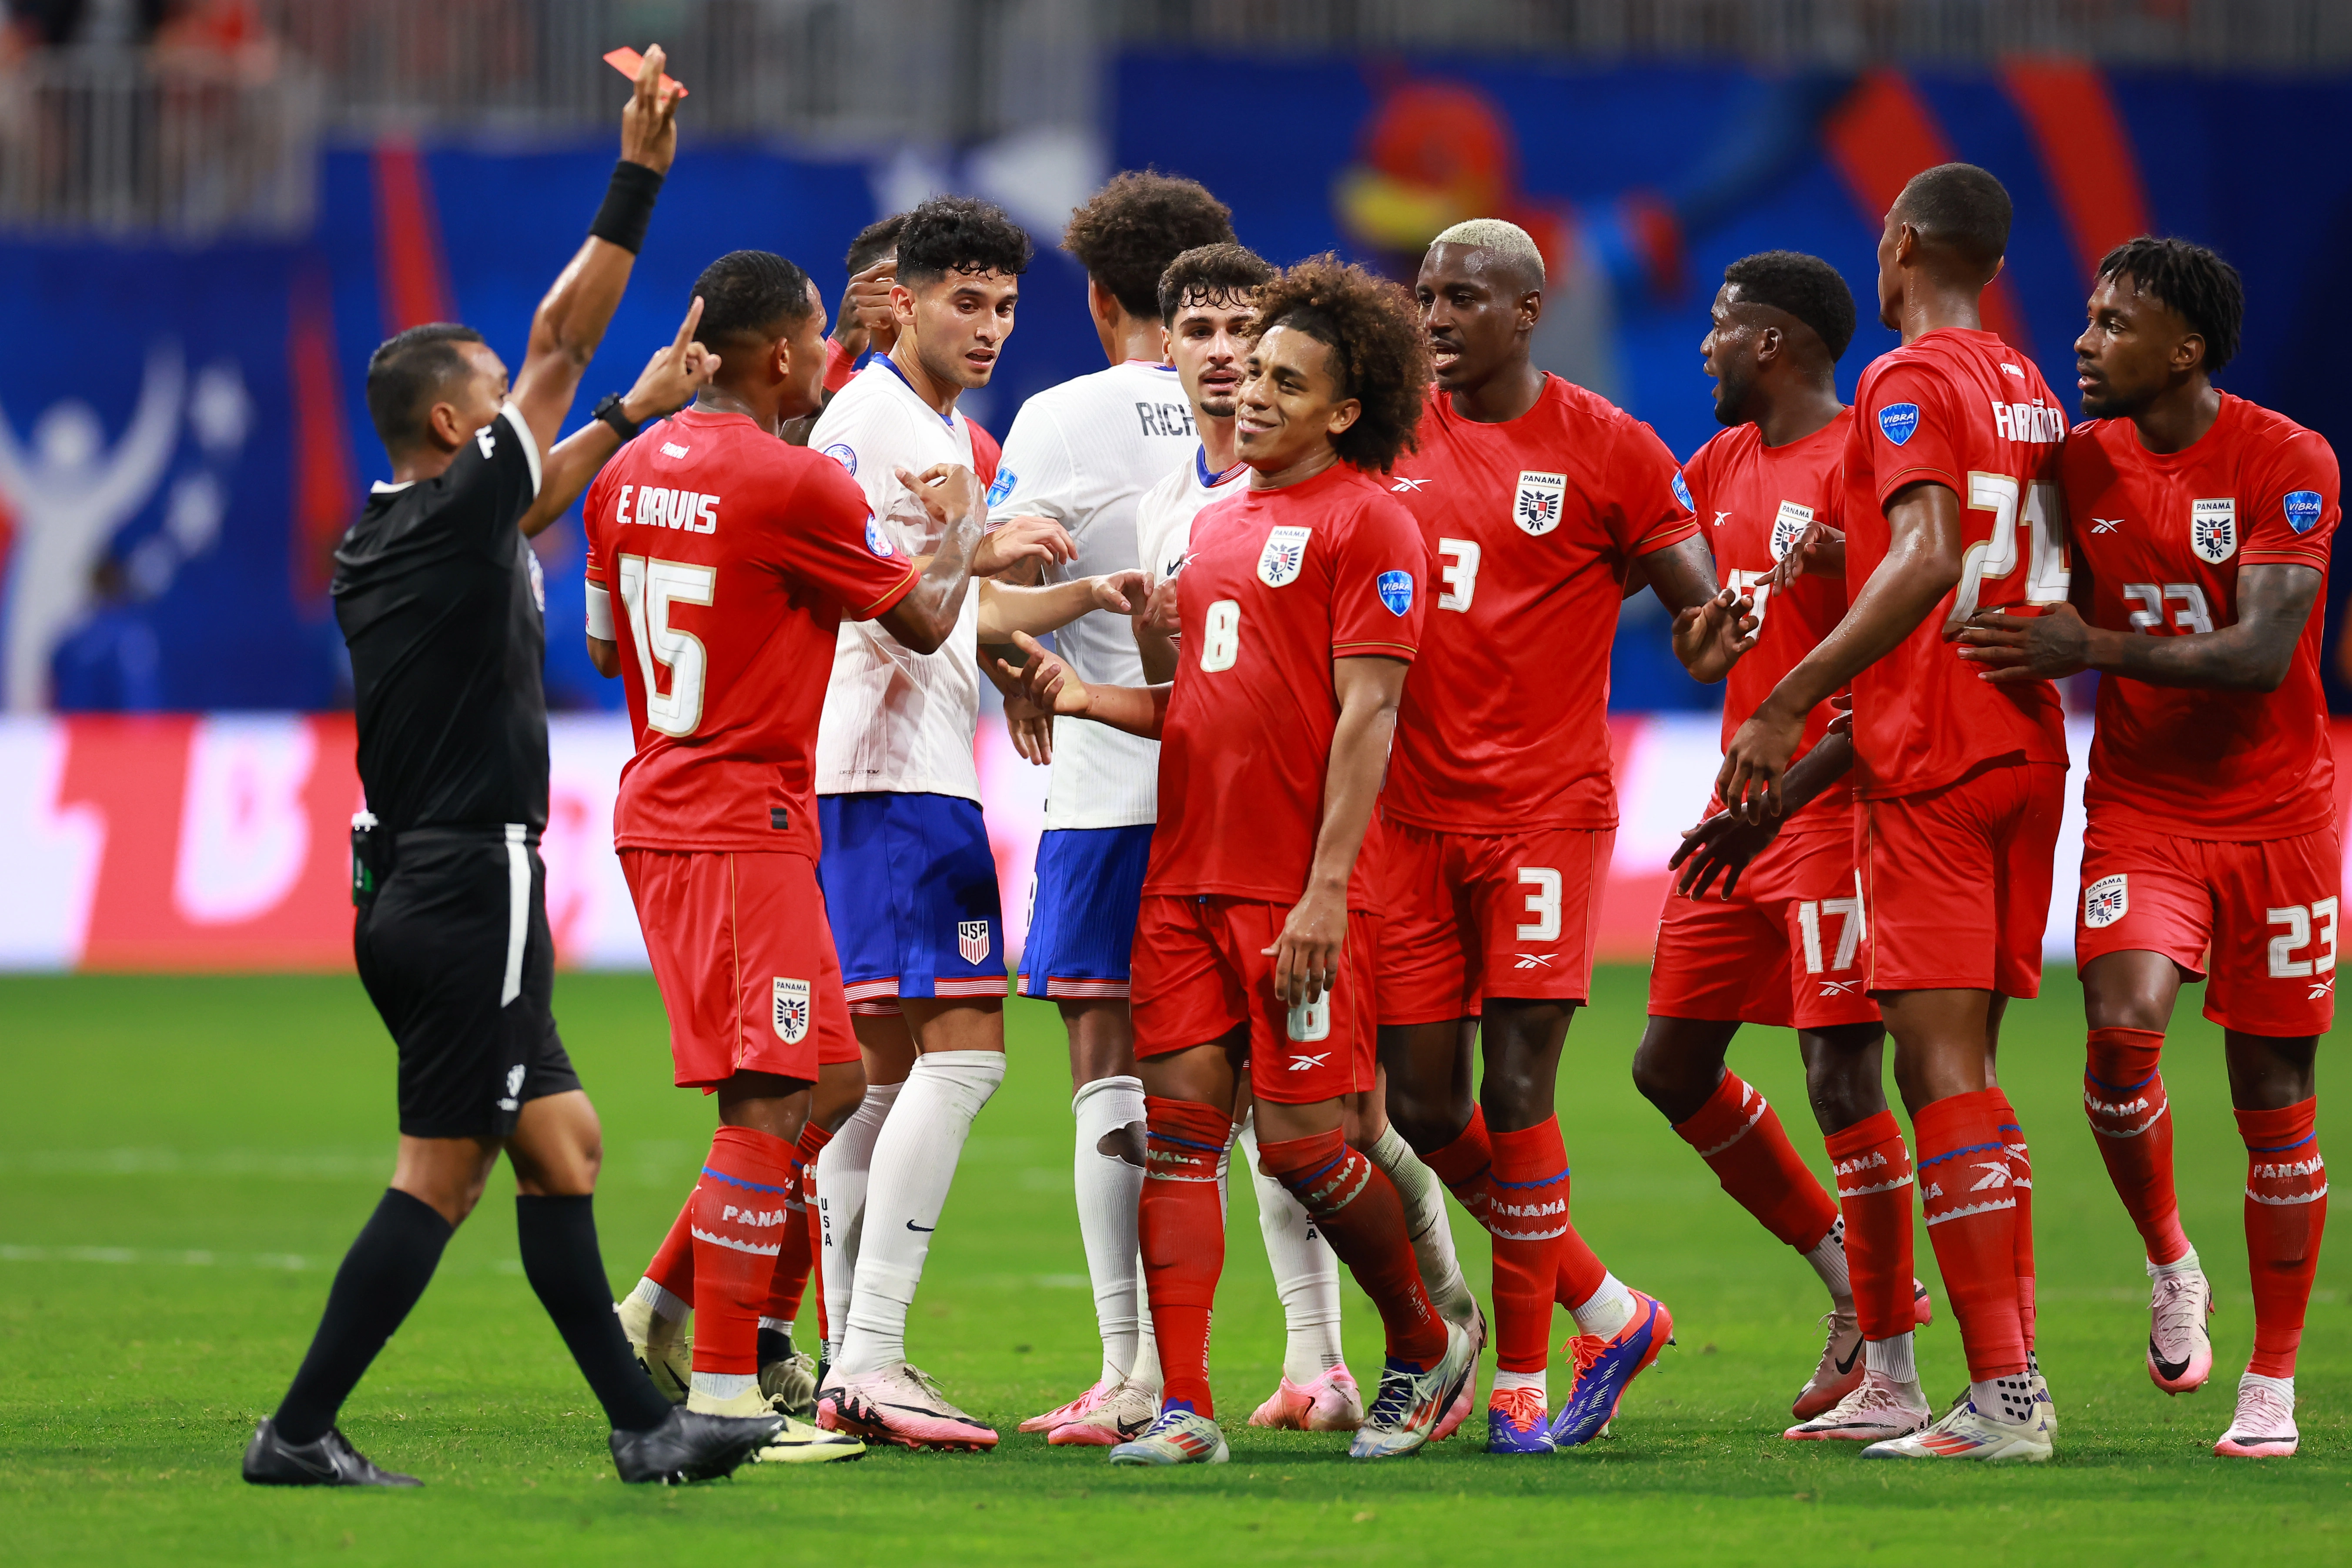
x: 2264, y: 1427
x: 1085, y: 1404
x: 1332, y: 1402
x: 1459, y: 1411
x: 900, y: 1404
x: 1121, y: 1418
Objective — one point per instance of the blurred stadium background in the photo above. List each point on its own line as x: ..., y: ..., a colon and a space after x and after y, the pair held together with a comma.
x: 212, y: 210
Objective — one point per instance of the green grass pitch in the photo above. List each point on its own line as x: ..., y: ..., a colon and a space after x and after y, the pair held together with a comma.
x: 183, y: 1161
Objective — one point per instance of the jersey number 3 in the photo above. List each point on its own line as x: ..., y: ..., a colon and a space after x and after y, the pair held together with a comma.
x: 649, y: 587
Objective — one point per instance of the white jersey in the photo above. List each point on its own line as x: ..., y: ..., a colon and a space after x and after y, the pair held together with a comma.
x: 1163, y: 520
x: 1083, y: 453
x: 895, y: 720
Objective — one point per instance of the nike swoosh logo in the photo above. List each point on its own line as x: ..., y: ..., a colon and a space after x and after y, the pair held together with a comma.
x: 2170, y: 1368
x: 1847, y: 1366
x: 912, y: 1225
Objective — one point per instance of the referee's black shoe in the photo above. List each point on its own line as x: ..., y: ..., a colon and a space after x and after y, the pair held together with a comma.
x: 331, y: 1461
x: 692, y: 1447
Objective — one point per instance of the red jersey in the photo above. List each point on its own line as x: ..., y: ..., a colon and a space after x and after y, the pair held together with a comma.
x: 1279, y: 584
x: 1530, y: 524
x: 2163, y: 536
x: 1753, y: 501
x: 1962, y: 409
x: 729, y: 558
x: 985, y: 455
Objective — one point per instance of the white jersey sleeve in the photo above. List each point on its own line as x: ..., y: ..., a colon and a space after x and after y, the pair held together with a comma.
x: 896, y: 721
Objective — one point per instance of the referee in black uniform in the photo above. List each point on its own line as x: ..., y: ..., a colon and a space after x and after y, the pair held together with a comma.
x: 440, y: 600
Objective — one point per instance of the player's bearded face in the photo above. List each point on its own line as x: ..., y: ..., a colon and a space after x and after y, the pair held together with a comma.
x: 959, y: 323
x: 2126, y: 355
x: 1289, y: 404
x: 1208, y: 344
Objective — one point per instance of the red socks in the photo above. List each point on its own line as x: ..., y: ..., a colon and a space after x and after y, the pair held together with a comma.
x: 2020, y: 1183
x: 2286, y: 1210
x: 672, y: 1268
x: 1741, y: 1140
x: 1466, y: 1166
x: 1874, y: 1187
x: 795, y: 1257
x: 1182, y: 1217
x: 738, y: 1228
x: 1971, y: 1214
x: 1529, y: 1217
x: 2123, y: 1094
x: 1356, y: 1207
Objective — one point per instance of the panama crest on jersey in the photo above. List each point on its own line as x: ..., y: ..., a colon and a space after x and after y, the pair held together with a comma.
x: 971, y: 940
x: 791, y: 1010
x: 1540, y: 499
x: 2213, y: 529
x: 1284, y: 555
x: 1788, y: 527
x: 2106, y: 902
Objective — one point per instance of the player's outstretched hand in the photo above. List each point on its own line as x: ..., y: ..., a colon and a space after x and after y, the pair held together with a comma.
x: 948, y: 491
x: 1721, y: 845
x: 2009, y: 648
x: 1022, y: 539
x: 1122, y: 592
x: 1710, y: 637
x: 674, y: 375
x: 649, y: 124
x: 1756, y: 761
x: 1046, y: 682
x: 1029, y: 727
x: 1307, y: 954
x: 865, y: 320
x: 1819, y: 552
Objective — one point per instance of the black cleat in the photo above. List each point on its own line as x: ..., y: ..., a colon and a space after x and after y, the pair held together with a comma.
x: 331, y: 1461
x: 692, y: 1447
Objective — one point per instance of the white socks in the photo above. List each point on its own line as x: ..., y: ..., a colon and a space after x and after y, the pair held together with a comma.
x: 841, y: 1177
x: 913, y: 1165
x: 1110, y: 1191
x: 1505, y: 1382
x: 667, y: 1310
x: 2008, y: 1399
x: 1425, y: 1216
x: 2187, y: 1263
x: 1828, y: 1261
x: 1891, y: 1358
x: 723, y: 1386
x: 1609, y: 1309
x: 1306, y: 1272
x: 1146, y: 1374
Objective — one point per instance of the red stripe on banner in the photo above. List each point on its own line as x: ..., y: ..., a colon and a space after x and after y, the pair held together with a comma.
x: 324, y: 478
x: 2087, y: 154
x: 1877, y: 139
x: 410, y: 262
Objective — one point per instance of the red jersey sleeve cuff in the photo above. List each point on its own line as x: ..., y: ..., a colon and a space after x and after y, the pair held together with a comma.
x: 883, y: 605
x: 1920, y: 473
x: 1372, y: 649
x: 839, y: 365
x: 2273, y: 556
x: 1666, y: 535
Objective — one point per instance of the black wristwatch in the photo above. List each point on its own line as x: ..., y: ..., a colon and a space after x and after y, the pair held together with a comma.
x: 609, y: 411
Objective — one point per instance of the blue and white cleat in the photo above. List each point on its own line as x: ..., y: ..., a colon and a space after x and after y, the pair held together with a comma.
x: 1606, y: 1368
x: 1178, y: 1435
x: 1412, y: 1401
x: 1517, y: 1424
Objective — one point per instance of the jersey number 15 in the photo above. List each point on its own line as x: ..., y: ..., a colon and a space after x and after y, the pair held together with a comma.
x: 649, y: 587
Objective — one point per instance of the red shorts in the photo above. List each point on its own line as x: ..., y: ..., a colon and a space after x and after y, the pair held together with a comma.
x: 1787, y: 948
x: 2267, y: 911
x: 745, y: 961
x: 1201, y: 971
x: 1956, y: 882
x: 1465, y: 917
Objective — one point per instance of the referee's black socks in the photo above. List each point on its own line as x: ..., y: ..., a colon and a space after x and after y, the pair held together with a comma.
x: 382, y: 1275
x: 561, y: 1256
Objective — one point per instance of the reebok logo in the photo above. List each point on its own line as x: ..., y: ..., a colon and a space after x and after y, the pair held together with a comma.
x: 1405, y: 486
x: 1841, y: 987
x: 1304, y: 1064
x: 2105, y: 525
x: 2320, y: 988
x: 1996, y: 1174
x: 1533, y: 960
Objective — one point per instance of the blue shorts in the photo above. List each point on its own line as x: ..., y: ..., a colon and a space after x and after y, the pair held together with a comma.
x: 1082, y: 904
x: 911, y: 891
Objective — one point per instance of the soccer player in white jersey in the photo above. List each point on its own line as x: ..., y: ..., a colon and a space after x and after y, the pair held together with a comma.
x: 1082, y: 454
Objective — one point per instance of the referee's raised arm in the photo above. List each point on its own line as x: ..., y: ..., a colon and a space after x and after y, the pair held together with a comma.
x: 571, y: 319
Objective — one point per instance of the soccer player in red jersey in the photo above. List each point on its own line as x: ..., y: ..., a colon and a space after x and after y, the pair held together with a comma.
x: 722, y: 560
x: 1299, y: 610
x: 1782, y: 944
x: 2201, y: 525
x: 1537, y: 500
x: 1951, y: 506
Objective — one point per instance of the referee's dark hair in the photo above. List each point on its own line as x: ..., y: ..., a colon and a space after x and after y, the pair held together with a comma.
x: 747, y: 295
x: 2198, y: 286
x: 406, y: 374
x: 1960, y: 208
x: 875, y: 241
x: 1804, y: 286
x: 960, y: 234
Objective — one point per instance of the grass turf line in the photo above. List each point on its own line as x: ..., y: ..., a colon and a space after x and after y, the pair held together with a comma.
x: 184, y: 1160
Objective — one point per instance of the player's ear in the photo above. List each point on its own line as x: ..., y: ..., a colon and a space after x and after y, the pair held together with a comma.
x: 1530, y: 310
x: 444, y: 427
x: 1344, y: 413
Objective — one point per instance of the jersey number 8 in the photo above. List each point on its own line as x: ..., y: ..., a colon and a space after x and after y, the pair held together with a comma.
x: 1221, y: 636
x: 649, y: 587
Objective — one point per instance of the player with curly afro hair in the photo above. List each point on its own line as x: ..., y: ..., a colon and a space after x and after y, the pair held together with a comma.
x: 1378, y: 357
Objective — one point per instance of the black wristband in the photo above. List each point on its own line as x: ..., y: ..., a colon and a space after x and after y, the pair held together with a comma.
x: 628, y: 206
x: 611, y: 412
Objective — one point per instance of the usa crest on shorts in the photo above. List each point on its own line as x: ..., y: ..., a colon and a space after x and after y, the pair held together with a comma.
x: 791, y: 1010
x: 971, y: 940
x: 1285, y: 554
x: 2213, y: 528
x: 2106, y: 902
x: 1788, y: 527
x: 1540, y: 499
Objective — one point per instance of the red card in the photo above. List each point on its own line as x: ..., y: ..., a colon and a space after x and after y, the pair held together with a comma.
x: 628, y: 62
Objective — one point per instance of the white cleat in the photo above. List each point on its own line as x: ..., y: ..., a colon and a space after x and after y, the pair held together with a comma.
x: 790, y: 1385
x: 661, y: 1347
x: 1965, y: 1433
x: 2265, y: 1426
x: 1332, y: 1402
x: 2045, y: 1408
x: 798, y: 1444
x: 2180, y: 1352
x: 900, y: 1404
x: 1131, y: 1408
x: 1175, y: 1438
x: 1407, y: 1409
x: 1879, y: 1409
x: 1076, y: 1409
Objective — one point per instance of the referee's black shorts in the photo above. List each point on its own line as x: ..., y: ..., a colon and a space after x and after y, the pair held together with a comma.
x: 455, y: 954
